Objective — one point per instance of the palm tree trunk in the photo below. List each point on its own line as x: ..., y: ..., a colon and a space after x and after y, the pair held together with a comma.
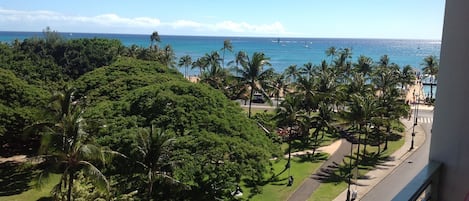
x: 366, y: 141
x: 150, y: 184
x: 250, y: 101
x: 70, y: 186
x: 388, y: 130
x: 431, y: 92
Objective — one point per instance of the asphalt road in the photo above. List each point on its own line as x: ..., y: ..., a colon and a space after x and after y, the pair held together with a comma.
x: 391, y: 185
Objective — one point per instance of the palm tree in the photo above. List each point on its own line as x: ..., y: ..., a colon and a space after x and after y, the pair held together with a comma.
x: 185, y: 61
x: 226, y: 46
x: 383, y: 61
x: 431, y: 69
x: 200, y: 63
x: 361, y: 110
x: 322, y: 123
x: 288, y: 117
x: 167, y: 56
x: 407, y: 76
x: 306, y: 89
x: 291, y: 73
x: 279, y: 85
x: 364, y: 65
x: 67, y: 147
x: 253, y: 74
x: 155, y: 146
x: 307, y: 70
x: 331, y: 52
x: 239, y: 57
x: 154, y: 37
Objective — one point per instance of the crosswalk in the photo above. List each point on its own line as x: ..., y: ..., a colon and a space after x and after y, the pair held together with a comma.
x: 427, y: 120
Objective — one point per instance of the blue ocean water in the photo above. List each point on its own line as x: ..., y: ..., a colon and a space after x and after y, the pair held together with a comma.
x: 282, y: 51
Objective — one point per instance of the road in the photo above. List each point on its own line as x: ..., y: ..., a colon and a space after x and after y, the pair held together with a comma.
x: 391, y: 185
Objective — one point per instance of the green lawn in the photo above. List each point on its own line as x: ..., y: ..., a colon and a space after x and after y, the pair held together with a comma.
x: 329, y: 191
x: 258, y: 110
x: 301, y: 168
x: 33, y: 194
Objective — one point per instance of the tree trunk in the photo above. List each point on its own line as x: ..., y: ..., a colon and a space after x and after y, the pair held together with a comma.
x: 388, y: 132
x: 366, y: 141
x: 250, y: 101
x: 70, y: 186
x: 150, y: 184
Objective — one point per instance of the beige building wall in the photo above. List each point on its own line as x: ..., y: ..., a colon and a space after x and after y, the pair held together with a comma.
x: 450, y: 138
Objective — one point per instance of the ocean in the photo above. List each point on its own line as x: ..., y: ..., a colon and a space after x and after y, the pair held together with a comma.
x: 283, y: 52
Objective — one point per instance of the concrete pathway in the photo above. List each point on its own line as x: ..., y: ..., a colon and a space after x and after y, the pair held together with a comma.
x: 310, y: 184
x: 380, y: 172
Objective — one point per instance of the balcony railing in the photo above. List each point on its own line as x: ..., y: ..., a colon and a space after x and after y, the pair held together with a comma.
x: 420, y: 187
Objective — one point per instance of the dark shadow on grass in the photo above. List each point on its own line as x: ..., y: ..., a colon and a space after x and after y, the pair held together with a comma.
x: 14, y: 178
x: 45, y: 199
x: 336, y: 173
x: 317, y: 157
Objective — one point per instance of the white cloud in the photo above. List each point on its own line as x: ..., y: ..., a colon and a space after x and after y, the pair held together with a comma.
x: 116, y: 22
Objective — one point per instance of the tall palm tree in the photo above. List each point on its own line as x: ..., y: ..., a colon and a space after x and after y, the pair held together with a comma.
x: 214, y: 74
x: 331, y: 52
x: 155, y: 146
x: 226, y: 46
x: 361, y: 111
x: 67, y: 147
x: 383, y: 61
x: 253, y: 74
x: 154, y: 38
x: 185, y: 61
x: 306, y: 89
x: 239, y: 57
x: 307, y: 70
x: 288, y: 117
x: 279, y: 85
x: 200, y: 63
x: 167, y: 56
x: 364, y: 65
x: 407, y: 76
x: 430, y: 68
x: 291, y: 73
x: 322, y: 123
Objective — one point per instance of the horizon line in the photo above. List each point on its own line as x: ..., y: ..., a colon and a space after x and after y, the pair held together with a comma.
x: 231, y: 36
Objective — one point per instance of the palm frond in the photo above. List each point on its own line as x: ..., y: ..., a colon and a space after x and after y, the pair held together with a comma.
x: 96, y: 176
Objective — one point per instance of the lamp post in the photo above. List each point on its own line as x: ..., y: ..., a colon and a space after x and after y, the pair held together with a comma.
x: 415, y: 121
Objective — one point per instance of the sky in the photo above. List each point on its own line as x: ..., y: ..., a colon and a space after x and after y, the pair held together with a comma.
x: 397, y: 19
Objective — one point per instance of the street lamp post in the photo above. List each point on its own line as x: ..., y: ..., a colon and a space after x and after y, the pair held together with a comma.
x: 415, y: 121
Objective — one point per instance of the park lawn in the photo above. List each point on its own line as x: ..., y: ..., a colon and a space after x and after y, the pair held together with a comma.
x: 258, y: 110
x: 34, y: 194
x: 329, y: 191
x: 301, y: 168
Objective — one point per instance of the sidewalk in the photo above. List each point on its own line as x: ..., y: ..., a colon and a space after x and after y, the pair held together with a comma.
x: 376, y: 175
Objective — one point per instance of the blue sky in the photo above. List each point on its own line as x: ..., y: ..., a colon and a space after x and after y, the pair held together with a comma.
x: 413, y: 19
